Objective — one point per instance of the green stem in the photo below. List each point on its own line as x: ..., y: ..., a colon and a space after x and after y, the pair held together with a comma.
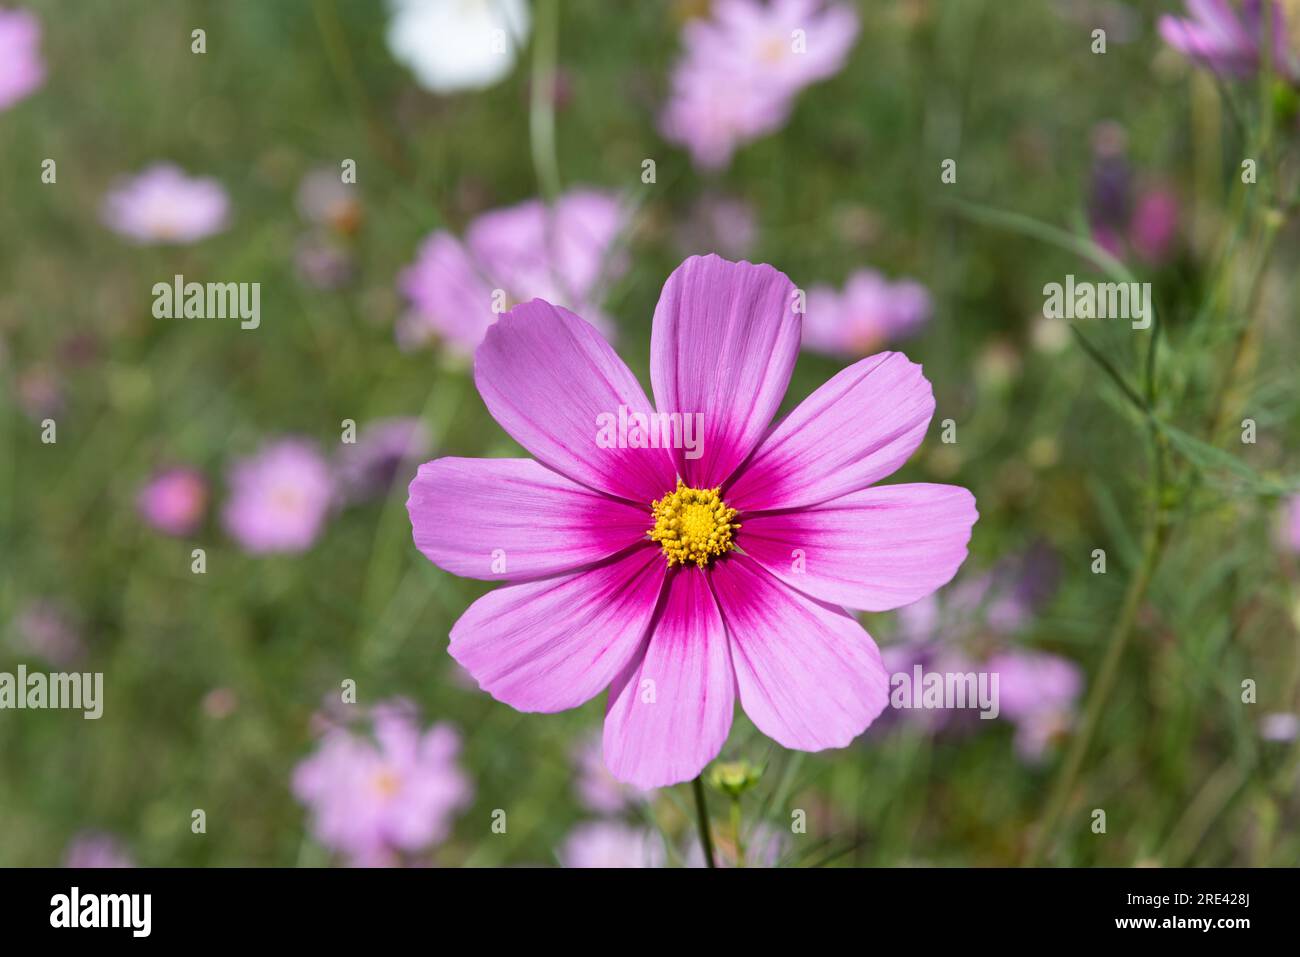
x: 735, y: 830
x: 541, y: 113
x: 702, y: 821
x: 1101, y: 688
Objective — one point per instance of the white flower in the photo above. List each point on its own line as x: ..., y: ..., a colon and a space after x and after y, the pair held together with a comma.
x: 458, y: 44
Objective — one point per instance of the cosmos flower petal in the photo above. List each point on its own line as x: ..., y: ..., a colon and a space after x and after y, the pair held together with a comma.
x: 548, y: 378
x: 724, y: 343
x: 553, y: 644
x: 670, y: 712
x: 877, y: 549
x: 511, y: 519
x: 860, y: 426
x: 809, y: 676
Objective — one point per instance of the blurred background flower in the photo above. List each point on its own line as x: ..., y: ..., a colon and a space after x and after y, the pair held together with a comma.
x: 279, y: 498
x: 453, y: 45
x: 163, y: 205
x: 1230, y: 39
x: 21, y: 69
x: 742, y: 67
x: 565, y: 254
x: 47, y: 629
x: 174, y: 500
x: 375, y: 798
x: 387, y: 452
x: 870, y: 313
x: 611, y: 844
x: 96, y: 849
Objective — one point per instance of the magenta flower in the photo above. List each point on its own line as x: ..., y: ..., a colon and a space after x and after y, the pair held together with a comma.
x: 1144, y: 219
x: 712, y: 115
x: 1155, y: 227
x: 163, y: 205
x: 173, y: 501
x: 21, y: 68
x: 682, y: 578
x: 564, y: 254
x: 870, y: 312
x: 742, y: 69
x: 1230, y: 42
x: 95, y: 849
x: 374, y: 799
x: 279, y: 498
x: 611, y: 844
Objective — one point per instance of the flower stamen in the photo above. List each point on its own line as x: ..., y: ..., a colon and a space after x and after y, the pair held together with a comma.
x: 693, y: 525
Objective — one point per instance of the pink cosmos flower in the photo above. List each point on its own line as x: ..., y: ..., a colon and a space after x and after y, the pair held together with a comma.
x: 163, y: 205
x: 564, y: 255
x: 95, y: 849
x: 1230, y: 42
x: 713, y: 114
x: 683, y: 579
x: 742, y: 68
x: 173, y: 501
x: 21, y: 68
x: 372, y: 799
x: 279, y: 498
x: 791, y: 43
x: 869, y: 313
x: 611, y: 844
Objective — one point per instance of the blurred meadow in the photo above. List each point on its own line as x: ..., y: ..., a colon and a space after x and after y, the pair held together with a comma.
x: 1073, y: 437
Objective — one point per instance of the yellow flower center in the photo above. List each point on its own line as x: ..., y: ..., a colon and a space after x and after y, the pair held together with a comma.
x: 386, y: 782
x: 693, y: 525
